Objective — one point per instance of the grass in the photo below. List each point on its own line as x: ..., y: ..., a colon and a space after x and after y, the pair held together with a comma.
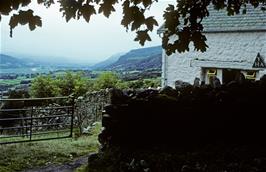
x: 60, y: 133
x: 83, y: 168
x: 10, y: 82
x: 17, y: 157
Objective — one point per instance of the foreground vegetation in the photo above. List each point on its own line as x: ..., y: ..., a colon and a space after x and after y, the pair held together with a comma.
x: 17, y: 157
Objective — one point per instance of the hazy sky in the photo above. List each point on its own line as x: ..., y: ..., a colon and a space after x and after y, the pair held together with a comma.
x: 75, y: 40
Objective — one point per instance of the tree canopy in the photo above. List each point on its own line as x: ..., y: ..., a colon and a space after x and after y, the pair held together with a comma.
x: 183, y: 19
x: 62, y: 85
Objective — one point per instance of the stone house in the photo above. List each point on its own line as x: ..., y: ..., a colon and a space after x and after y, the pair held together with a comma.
x: 237, y: 45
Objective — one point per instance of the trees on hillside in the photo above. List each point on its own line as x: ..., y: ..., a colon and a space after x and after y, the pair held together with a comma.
x: 64, y: 85
x: 106, y: 80
x: 71, y: 83
x: 188, y: 13
x: 77, y: 85
x: 44, y: 86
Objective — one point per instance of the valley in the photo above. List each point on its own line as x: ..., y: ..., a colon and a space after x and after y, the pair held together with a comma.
x: 138, y: 64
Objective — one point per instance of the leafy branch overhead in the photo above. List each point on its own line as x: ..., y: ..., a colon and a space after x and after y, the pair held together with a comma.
x: 182, y: 20
x: 24, y: 17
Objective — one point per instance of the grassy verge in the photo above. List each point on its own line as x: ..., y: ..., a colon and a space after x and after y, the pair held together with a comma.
x: 17, y: 157
x: 83, y: 168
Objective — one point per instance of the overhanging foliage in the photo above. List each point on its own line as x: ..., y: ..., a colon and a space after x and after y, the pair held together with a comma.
x: 183, y: 19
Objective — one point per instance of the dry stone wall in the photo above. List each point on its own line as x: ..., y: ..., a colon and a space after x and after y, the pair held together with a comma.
x: 88, y: 108
x: 189, y: 116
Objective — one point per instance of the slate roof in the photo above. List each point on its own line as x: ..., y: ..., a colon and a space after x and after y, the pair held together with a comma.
x: 219, y: 21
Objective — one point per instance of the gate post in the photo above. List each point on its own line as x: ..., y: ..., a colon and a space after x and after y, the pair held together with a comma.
x: 72, y: 114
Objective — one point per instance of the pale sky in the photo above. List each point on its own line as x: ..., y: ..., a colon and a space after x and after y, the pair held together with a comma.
x: 76, y: 40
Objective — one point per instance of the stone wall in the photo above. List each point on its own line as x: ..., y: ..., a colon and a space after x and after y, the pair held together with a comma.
x: 189, y: 116
x: 88, y: 108
x: 185, y: 129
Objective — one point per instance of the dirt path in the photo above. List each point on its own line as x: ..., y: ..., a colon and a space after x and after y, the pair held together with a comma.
x: 68, y: 167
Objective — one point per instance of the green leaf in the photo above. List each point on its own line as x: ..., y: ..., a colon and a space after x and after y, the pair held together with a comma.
x: 97, y: 1
x: 47, y: 3
x: 147, y: 3
x: 142, y: 37
x: 5, y: 7
x: 106, y: 9
x: 25, y: 2
x: 13, y: 22
x: 150, y: 22
x: 32, y: 26
x: 38, y: 21
x: 138, y: 17
x: 24, y: 17
x: 170, y: 7
x: 87, y: 11
x: 199, y: 41
x: 171, y: 17
x: 69, y: 8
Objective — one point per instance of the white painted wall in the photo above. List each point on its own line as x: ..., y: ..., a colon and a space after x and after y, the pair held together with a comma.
x: 231, y: 50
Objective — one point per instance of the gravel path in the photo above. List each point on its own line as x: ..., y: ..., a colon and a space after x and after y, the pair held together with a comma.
x: 68, y: 167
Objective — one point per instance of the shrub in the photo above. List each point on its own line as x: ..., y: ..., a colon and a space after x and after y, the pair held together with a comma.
x: 106, y: 80
x: 63, y: 85
x: 71, y: 83
x: 44, y: 86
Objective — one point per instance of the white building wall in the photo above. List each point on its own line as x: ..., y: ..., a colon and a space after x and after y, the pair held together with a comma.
x: 230, y: 47
x: 179, y: 68
x: 163, y: 76
x: 220, y: 74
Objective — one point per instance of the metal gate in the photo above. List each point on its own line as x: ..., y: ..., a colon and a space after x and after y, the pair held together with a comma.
x: 36, y: 119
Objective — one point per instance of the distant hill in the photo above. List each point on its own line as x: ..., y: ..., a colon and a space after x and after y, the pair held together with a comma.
x: 138, y: 59
x: 107, y: 62
x: 11, y: 62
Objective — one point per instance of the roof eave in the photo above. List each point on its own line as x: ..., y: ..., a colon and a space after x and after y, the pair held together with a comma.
x: 236, y: 31
x: 162, y: 30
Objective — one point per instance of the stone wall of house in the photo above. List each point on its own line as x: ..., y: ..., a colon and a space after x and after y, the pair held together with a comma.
x: 88, y: 108
x: 226, y: 50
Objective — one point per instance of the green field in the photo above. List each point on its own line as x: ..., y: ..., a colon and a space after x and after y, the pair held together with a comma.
x: 11, y: 82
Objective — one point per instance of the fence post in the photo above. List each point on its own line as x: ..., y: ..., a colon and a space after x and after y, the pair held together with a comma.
x: 31, y: 122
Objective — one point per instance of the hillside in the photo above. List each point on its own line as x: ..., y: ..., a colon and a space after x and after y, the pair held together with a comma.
x: 12, y: 62
x: 107, y: 62
x: 138, y: 59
